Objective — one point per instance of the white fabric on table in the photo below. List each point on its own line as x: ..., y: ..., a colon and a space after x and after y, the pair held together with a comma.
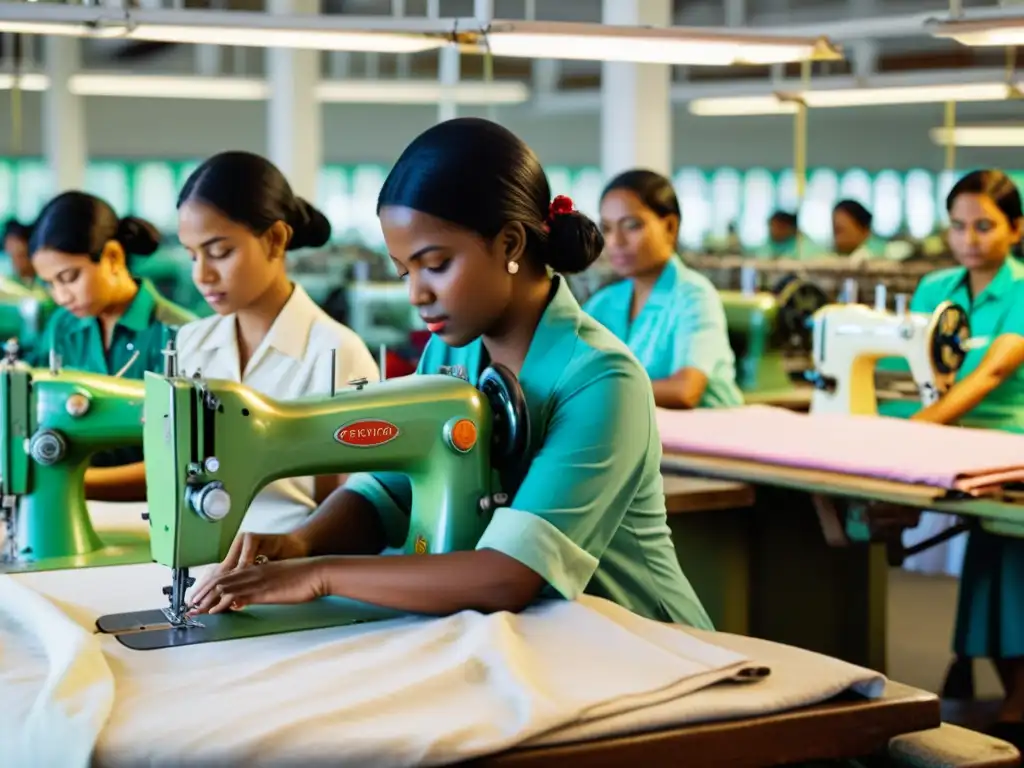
x: 412, y: 691
x: 53, y: 717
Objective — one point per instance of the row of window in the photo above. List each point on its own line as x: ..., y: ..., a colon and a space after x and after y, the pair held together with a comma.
x: 903, y: 202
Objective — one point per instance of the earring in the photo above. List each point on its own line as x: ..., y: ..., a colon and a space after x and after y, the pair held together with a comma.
x: 512, y: 267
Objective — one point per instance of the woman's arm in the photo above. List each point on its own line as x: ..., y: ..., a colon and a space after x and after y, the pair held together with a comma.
x: 346, y: 523
x: 683, y: 390
x: 1005, y: 355
x: 699, y: 348
x: 125, y: 483
x: 482, y: 580
x: 325, y: 485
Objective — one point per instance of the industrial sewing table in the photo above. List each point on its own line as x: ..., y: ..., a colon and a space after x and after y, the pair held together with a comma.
x: 902, y: 728
x: 767, y: 571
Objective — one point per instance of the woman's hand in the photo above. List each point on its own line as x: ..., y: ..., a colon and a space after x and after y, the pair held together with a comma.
x: 250, y: 549
x: 281, y: 582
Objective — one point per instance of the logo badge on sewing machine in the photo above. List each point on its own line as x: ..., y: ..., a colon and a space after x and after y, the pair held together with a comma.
x: 420, y: 545
x: 366, y: 433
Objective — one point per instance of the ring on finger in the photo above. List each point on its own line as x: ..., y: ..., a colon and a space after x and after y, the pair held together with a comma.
x: 260, y: 560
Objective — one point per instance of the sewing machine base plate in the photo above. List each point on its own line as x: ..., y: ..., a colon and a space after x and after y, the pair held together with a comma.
x: 151, y: 630
x: 121, y: 548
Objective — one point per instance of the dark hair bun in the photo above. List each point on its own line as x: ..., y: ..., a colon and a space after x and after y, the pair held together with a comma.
x: 137, y: 236
x: 574, y: 243
x: 310, y: 228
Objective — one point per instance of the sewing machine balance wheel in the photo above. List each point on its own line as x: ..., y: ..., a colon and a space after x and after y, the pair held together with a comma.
x: 951, y: 332
x: 798, y: 301
x: 511, y: 434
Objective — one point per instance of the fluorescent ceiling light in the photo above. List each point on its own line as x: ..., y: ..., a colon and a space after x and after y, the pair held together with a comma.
x: 995, y: 32
x: 253, y: 89
x: 415, y: 92
x: 30, y: 81
x: 668, y: 45
x: 169, y: 87
x: 979, y: 136
x: 786, y: 103
x: 260, y: 30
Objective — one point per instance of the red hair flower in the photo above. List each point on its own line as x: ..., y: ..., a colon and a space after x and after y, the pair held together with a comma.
x: 560, y: 206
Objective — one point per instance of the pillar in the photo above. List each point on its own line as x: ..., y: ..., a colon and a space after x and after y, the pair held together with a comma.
x: 63, y: 115
x: 636, y: 109
x: 294, y: 119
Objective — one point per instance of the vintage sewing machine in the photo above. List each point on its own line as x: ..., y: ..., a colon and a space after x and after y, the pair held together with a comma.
x: 769, y: 333
x: 211, y: 446
x: 850, y: 339
x: 53, y: 421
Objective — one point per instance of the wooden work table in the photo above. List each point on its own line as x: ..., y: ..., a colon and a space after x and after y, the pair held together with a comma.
x: 904, y: 723
x: 702, y: 494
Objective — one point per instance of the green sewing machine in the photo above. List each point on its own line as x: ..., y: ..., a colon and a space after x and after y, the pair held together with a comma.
x: 52, y: 422
x: 766, y: 330
x: 24, y: 312
x: 211, y: 446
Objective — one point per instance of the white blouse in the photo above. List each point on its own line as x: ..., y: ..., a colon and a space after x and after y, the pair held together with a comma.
x: 292, y: 361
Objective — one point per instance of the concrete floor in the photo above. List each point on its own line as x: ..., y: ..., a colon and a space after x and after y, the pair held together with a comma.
x: 922, y: 611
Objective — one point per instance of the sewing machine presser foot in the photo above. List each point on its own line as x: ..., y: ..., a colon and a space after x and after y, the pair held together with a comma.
x: 9, y: 515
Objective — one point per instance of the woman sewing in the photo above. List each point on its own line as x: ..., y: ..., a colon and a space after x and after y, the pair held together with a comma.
x: 670, y: 316
x: 107, y: 321
x: 15, y: 246
x: 986, y: 223
x: 470, y: 224
x: 238, y: 218
x: 851, y: 232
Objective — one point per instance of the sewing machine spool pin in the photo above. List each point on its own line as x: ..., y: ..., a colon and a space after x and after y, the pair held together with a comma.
x: 170, y: 354
x: 12, y: 351
x: 881, y: 298
x: 332, y: 388
x: 851, y: 289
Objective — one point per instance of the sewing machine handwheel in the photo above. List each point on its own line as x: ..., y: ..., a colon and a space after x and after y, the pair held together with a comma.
x: 511, y: 435
x: 798, y: 301
x: 952, y: 329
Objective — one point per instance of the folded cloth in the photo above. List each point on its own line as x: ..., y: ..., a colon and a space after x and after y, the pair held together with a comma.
x: 412, y: 691
x: 917, y: 453
x: 54, y: 717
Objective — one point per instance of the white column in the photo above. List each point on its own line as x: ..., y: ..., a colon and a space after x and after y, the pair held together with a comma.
x: 636, y: 113
x: 449, y: 74
x: 63, y: 115
x: 294, y: 121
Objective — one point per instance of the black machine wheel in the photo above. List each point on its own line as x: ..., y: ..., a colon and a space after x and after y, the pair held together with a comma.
x: 511, y: 436
x: 798, y: 301
x: 952, y: 329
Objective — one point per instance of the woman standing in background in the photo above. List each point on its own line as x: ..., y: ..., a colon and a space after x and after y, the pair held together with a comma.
x: 986, y: 224
x: 670, y: 316
x: 107, y: 322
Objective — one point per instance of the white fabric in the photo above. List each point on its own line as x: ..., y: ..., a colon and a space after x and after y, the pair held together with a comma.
x: 52, y: 718
x: 411, y: 691
x: 293, y: 361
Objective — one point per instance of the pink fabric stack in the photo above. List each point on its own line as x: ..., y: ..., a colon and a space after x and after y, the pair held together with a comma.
x: 974, y: 461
